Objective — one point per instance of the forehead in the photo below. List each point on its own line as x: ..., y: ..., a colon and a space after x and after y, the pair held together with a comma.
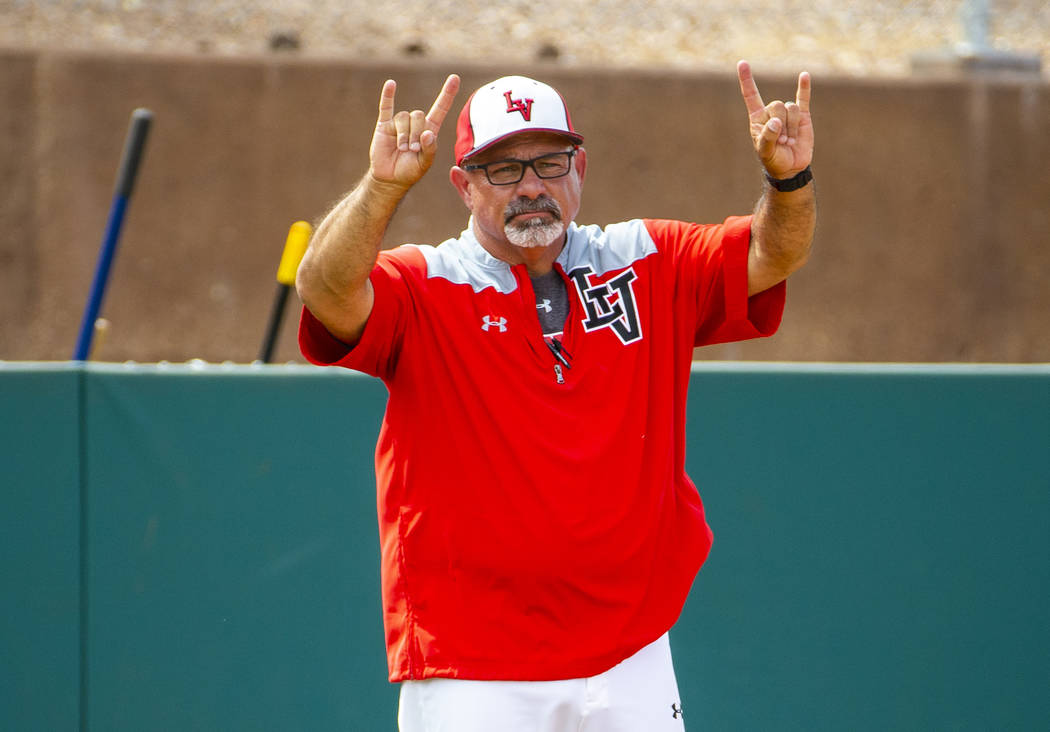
x: 524, y: 145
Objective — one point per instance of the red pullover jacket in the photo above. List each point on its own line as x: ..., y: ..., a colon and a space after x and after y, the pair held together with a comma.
x: 535, y: 518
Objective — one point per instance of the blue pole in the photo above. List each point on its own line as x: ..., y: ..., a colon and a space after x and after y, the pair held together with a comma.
x: 129, y: 165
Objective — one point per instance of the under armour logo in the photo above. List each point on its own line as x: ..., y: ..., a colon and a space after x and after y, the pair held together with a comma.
x: 519, y: 105
x: 488, y: 322
x: 609, y: 304
x: 677, y: 711
x: 545, y: 306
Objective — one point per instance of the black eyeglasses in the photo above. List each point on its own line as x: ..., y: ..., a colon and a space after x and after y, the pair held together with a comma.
x: 510, y: 171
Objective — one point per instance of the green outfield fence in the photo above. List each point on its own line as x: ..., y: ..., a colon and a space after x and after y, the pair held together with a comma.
x: 194, y: 547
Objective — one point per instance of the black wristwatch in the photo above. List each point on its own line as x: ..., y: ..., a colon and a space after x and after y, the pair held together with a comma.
x: 786, y: 185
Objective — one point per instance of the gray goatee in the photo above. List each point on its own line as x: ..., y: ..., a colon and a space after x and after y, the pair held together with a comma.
x: 532, y: 232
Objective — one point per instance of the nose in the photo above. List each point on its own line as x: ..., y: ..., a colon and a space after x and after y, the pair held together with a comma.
x: 531, y: 185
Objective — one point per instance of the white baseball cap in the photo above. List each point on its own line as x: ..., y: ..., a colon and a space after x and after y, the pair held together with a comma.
x: 507, y: 106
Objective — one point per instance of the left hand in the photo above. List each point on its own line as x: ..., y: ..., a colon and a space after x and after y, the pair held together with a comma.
x: 782, y: 132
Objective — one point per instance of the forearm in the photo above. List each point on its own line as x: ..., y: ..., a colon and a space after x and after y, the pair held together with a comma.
x: 332, y: 280
x: 781, y: 235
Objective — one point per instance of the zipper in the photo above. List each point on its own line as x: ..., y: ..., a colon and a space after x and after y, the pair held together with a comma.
x: 557, y: 346
x: 528, y: 301
x: 561, y: 356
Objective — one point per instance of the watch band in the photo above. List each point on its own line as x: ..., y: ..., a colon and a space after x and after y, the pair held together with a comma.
x: 786, y: 185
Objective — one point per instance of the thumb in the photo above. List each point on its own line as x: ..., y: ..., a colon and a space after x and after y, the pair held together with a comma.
x: 767, y: 139
x: 427, y: 147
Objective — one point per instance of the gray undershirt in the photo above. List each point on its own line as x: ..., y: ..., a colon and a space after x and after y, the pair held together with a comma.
x: 552, y: 302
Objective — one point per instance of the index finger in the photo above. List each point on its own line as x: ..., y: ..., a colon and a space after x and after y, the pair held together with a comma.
x: 804, y: 90
x: 386, y: 101
x: 443, y: 104
x: 748, y: 88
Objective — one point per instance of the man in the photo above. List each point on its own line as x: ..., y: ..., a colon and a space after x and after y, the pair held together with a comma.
x: 539, y: 533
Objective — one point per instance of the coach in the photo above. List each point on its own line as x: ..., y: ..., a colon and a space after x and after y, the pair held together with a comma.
x: 538, y: 531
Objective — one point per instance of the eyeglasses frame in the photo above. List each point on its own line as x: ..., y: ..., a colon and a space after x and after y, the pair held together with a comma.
x: 525, y: 165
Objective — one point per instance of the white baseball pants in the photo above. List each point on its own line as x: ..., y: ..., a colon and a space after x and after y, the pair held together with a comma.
x: 640, y: 693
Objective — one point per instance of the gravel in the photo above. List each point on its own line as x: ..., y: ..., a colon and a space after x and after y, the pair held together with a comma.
x: 847, y: 37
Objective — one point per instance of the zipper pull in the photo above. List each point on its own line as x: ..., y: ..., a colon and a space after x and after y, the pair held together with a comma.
x: 557, y: 373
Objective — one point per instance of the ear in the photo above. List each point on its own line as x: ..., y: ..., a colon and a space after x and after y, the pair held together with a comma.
x: 580, y: 159
x: 461, y: 182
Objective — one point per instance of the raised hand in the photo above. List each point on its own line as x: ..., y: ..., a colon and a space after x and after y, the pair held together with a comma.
x: 404, y: 143
x: 782, y: 132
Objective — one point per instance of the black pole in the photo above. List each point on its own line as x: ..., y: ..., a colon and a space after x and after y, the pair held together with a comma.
x: 274, y: 327
x: 294, y: 249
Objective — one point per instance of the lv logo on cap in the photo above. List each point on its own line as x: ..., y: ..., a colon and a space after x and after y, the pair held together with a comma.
x: 519, y: 105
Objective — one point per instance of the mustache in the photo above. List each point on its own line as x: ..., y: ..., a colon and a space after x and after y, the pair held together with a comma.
x: 543, y: 204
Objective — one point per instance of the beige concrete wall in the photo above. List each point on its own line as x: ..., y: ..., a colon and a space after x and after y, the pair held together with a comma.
x: 933, y: 242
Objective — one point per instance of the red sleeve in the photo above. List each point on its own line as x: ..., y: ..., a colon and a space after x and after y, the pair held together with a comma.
x: 376, y: 353
x: 710, y: 264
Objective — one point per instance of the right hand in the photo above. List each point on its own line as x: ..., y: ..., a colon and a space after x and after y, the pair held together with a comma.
x: 404, y: 144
